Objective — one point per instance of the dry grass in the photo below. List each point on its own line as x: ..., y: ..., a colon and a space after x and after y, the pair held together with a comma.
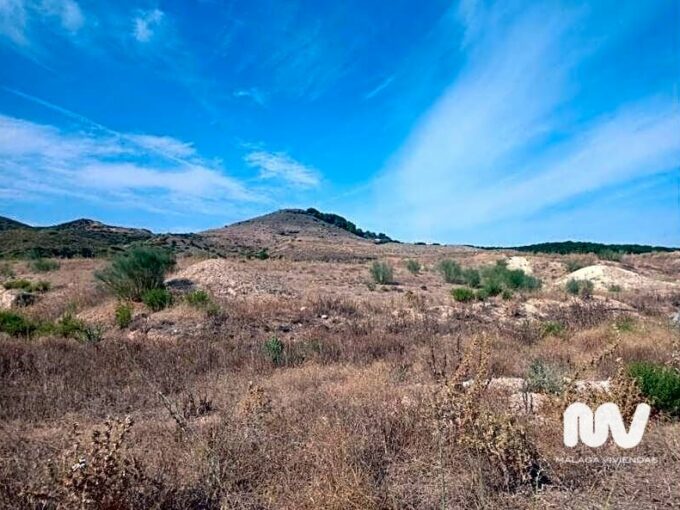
x: 366, y: 409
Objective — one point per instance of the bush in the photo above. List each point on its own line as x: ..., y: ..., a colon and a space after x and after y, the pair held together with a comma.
x: 660, y: 384
x: 262, y: 254
x: 543, y: 378
x: 583, y: 288
x: 21, y: 284
x: 28, y: 286
x: 612, y: 255
x: 471, y: 277
x: 552, y: 328
x: 572, y: 265
x: 382, y: 272
x: 615, y: 288
x: 123, y: 315
x: 625, y: 324
x: 413, y: 266
x: 498, y: 277
x: 451, y: 271
x: 44, y: 265
x: 157, y: 299
x: 16, y: 325
x: 136, y: 272
x: 274, y: 350
x: 6, y: 271
x: 463, y: 294
x: 198, y: 299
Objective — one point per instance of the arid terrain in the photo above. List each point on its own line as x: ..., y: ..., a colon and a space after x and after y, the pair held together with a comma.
x: 285, y: 374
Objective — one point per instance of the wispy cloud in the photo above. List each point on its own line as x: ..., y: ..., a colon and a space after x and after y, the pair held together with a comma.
x: 254, y: 94
x: 380, y: 87
x: 501, y: 144
x: 100, y: 165
x: 282, y: 167
x: 146, y: 23
x: 19, y: 18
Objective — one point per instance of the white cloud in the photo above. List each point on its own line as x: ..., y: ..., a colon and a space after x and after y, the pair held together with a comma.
x: 18, y: 16
x: 146, y: 23
x: 13, y: 21
x: 154, y: 173
x: 67, y: 11
x: 488, y: 150
x: 283, y: 167
x: 164, y: 144
x: 253, y: 94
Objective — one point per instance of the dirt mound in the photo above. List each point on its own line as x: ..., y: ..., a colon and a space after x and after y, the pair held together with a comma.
x: 223, y: 279
x: 604, y: 277
x: 520, y: 263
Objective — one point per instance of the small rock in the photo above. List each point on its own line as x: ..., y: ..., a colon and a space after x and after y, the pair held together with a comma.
x: 324, y: 316
x: 675, y: 319
x: 16, y: 298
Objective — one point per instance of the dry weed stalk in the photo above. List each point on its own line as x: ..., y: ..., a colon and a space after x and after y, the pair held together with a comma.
x: 498, y: 438
x: 93, y: 475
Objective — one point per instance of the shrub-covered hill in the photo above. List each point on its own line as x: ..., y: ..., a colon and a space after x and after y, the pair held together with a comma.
x: 80, y: 238
x: 567, y: 247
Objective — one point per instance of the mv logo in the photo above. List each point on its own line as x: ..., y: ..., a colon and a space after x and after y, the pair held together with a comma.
x: 593, y: 430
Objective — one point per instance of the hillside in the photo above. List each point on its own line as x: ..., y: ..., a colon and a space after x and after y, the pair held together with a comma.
x: 79, y: 238
x: 9, y: 224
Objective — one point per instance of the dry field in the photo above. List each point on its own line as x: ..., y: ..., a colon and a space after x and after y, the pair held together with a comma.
x: 310, y: 386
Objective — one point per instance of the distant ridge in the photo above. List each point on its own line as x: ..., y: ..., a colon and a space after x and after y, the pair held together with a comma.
x: 78, y: 238
x: 567, y: 247
x: 9, y: 224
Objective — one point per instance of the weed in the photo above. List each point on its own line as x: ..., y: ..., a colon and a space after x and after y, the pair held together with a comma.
x: 6, y: 270
x: 41, y: 265
x: 157, y: 299
x: 413, y: 266
x: 382, y: 273
x: 123, y: 314
x: 463, y: 294
x: 660, y: 384
x: 543, y: 378
x: 583, y: 288
x: 198, y: 299
x: 16, y: 325
x: 274, y: 350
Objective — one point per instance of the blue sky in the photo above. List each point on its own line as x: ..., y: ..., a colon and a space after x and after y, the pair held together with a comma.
x: 492, y: 123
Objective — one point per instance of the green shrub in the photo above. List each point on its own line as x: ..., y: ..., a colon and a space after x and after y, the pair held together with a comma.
x: 6, y: 270
x: 137, y: 271
x: 543, y: 378
x: 451, y: 271
x: 274, y: 348
x: 198, y: 299
x: 583, y: 288
x: 659, y: 384
x: 572, y: 265
x: 413, y: 266
x: 67, y: 326
x: 21, y: 284
x: 612, y: 255
x: 16, y: 325
x: 262, y: 254
x: 498, y: 277
x: 44, y: 265
x: 123, y: 315
x: 625, y: 324
x: 552, y: 328
x: 40, y: 286
x: 492, y: 288
x: 157, y: 299
x: 615, y: 288
x: 506, y: 294
x: 382, y: 272
x: 463, y: 294
x: 471, y: 277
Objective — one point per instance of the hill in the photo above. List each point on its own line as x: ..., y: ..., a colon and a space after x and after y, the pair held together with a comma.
x: 10, y: 224
x: 600, y: 249
x: 79, y: 238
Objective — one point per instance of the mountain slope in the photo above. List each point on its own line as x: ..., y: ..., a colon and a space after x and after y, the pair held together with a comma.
x: 80, y: 238
x: 10, y: 224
